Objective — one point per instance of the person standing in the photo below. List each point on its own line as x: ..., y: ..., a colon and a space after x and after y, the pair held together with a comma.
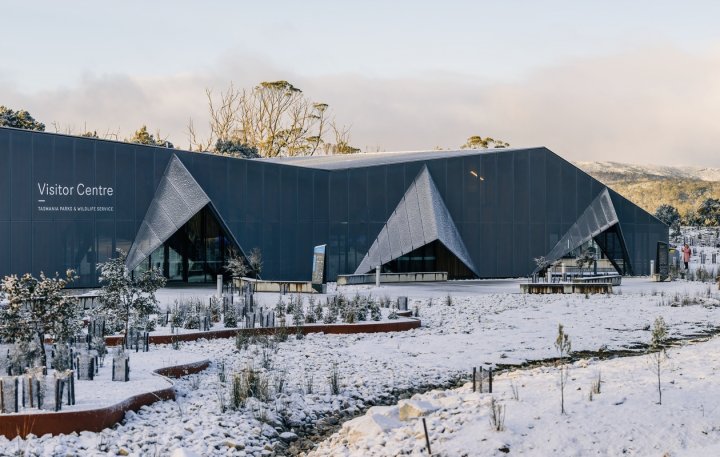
x: 686, y: 252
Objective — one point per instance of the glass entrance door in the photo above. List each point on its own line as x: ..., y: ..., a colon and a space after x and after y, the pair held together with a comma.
x: 195, y: 253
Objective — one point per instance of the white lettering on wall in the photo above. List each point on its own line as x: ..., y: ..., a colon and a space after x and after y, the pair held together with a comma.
x: 81, y: 189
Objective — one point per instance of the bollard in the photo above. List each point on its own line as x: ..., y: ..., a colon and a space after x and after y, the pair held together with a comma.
x: 490, y: 380
x: 219, y: 285
x: 564, y: 271
x: 474, y: 375
x: 377, y: 276
x: 652, y: 267
x: 427, y: 437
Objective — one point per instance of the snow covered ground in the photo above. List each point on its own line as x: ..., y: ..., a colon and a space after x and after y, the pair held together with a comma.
x: 487, y: 323
x: 623, y: 419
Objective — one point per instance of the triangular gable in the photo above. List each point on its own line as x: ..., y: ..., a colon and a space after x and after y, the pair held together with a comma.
x: 598, y: 217
x: 177, y: 199
x: 420, y: 217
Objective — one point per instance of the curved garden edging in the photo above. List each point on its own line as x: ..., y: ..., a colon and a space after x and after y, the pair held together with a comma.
x: 93, y: 420
x: 339, y: 329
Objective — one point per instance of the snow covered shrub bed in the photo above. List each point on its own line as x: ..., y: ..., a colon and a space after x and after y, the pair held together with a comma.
x: 263, y: 397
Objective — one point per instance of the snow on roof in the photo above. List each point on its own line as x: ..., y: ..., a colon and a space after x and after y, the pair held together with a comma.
x: 369, y: 159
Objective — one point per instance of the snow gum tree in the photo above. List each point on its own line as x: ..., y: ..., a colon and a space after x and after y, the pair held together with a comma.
x: 658, y: 354
x: 126, y: 298
x: 563, y: 346
x: 36, y: 308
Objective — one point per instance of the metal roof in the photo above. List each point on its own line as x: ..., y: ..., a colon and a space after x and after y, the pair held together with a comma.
x: 369, y: 159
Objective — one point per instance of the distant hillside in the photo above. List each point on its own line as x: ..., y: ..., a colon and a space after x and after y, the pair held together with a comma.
x: 651, y: 186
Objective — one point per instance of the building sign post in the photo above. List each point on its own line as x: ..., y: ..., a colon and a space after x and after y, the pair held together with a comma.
x: 318, y: 270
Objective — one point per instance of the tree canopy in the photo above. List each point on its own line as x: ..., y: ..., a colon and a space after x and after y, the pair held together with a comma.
x: 709, y: 211
x: 20, y: 119
x: 478, y: 142
x: 142, y: 136
x: 273, y: 119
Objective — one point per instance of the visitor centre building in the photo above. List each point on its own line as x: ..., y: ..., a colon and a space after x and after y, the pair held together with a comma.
x: 70, y: 202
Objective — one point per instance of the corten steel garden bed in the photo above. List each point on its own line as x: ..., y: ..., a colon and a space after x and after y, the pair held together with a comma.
x: 344, y: 329
x: 92, y: 420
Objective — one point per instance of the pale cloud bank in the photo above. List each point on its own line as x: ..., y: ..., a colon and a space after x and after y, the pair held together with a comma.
x: 646, y: 106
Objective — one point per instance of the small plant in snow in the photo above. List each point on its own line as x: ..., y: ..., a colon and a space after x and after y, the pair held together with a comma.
x: 128, y: 299
x: 318, y: 311
x: 334, y: 380
x: 280, y: 309
x: 242, y: 340
x: 448, y: 300
x: 497, y: 415
x: 515, y: 391
x: 658, y: 354
x: 236, y: 264
x: 330, y: 315
x: 222, y: 376
x: 308, y: 383
x: 374, y: 308
x: 563, y: 346
x: 38, y: 307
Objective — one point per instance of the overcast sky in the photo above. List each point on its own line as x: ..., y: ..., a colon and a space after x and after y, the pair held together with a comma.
x: 613, y: 80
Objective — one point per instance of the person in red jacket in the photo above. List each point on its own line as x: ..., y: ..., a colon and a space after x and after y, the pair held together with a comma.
x: 686, y: 252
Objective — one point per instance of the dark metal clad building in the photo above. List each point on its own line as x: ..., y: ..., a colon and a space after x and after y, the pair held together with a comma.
x: 69, y: 202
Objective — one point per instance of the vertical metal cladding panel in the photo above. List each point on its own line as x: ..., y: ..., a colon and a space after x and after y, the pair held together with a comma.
x: 554, y: 195
x: 236, y: 188
x: 302, y: 252
x: 21, y: 176
x: 105, y: 233
x: 289, y: 193
x: 506, y: 189
x: 484, y: 250
x: 357, y: 195
x: 144, y: 181
x: 21, y: 247
x: 43, y: 249
x: 339, y: 196
x: 395, y: 186
x: 305, y: 195
x: 271, y: 191
x: 5, y: 170
x: 472, y: 189
x: 376, y: 194
x: 538, y: 188
x: 522, y: 262
x: 43, y: 171
x: 125, y: 177
x: 521, y: 187
x: 105, y: 176
x: 455, y: 193
x: 538, y: 240
x: 571, y: 211
x: 254, y: 204
x: 4, y: 247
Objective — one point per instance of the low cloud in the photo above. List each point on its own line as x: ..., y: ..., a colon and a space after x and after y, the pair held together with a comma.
x: 646, y: 106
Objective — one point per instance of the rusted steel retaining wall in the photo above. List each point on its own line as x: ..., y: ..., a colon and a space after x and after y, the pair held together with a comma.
x: 369, y: 327
x: 92, y: 420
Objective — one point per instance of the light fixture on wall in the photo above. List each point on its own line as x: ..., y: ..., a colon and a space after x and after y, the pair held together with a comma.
x: 474, y: 173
